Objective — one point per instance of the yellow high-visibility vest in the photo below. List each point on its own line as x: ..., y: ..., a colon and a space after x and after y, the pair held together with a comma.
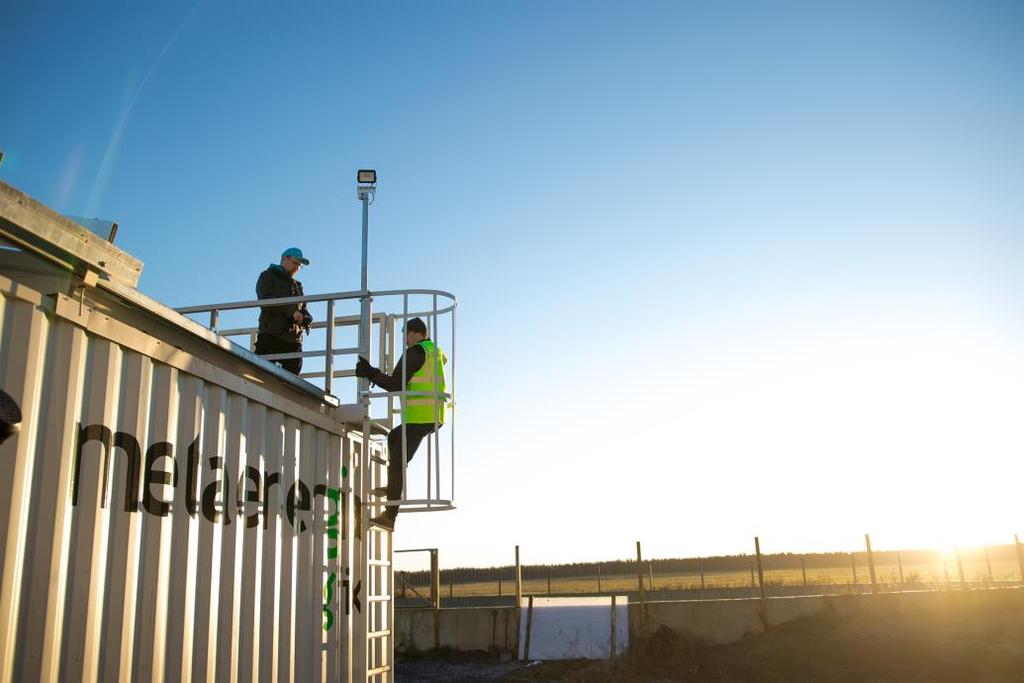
x: 427, y: 409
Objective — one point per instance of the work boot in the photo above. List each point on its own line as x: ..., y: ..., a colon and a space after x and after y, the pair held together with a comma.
x: 385, y: 521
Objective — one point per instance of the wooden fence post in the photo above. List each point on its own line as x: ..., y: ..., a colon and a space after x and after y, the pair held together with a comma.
x: 988, y: 566
x: 960, y: 568
x: 650, y: 571
x: 871, y: 564
x: 640, y: 577
x: 853, y: 564
x: 899, y: 563
x: 435, y: 579
x: 1020, y: 556
x: 549, y: 580
x: 803, y: 569
x: 760, y: 568
x: 519, y: 580
x: 702, y: 577
x: 599, y: 579
x: 615, y: 647
x: 529, y: 627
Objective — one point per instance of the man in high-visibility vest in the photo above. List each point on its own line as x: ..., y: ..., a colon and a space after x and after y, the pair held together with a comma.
x: 421, y: 370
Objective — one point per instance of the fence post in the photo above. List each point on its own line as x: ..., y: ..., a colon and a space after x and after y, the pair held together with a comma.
x: 871, y: 564
x: 599, y: 579
x: 519, y: 580
x: 499, y: 582
x: 960, y: 568
x: 899, y: 563
x: 640, y: 577
x: 615, y: 647
x: 753, y: 581
x: 549, y: 579
x: 988, y: 565
x: 853, y: 564
x: 650, y: 573
x: 760, y: 568
x: 702, y: 577
x: 529, y: 627
x: 803, y: 569
x: 1020, y: 556
x: 435, y: 579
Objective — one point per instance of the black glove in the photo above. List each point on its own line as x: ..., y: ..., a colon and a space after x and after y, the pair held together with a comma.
x: 363, y: 368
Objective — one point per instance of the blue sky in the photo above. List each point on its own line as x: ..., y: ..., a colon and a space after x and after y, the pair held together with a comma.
x: 720, y: 265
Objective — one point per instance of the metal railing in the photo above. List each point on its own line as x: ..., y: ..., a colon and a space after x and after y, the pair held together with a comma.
x: 440, y: 313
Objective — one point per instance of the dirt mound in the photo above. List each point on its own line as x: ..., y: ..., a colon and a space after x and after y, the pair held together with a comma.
x: 985, y: 646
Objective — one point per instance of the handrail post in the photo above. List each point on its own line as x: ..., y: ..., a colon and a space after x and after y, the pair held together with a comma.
x: 365, y: 310
x: 214, y: 315
x: 329, y: 358
x: 403, y: 401
x: 451, y: 420
x: 438, y: 372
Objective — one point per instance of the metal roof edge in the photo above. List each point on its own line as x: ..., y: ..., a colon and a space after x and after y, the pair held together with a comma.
x: 32, y: 225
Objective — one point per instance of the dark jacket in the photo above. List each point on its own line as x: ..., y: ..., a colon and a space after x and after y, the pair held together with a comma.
x: 414, y: 358
x: 279, y: 321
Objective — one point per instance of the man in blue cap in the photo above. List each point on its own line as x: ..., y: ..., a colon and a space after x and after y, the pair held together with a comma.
x: 281, y: 326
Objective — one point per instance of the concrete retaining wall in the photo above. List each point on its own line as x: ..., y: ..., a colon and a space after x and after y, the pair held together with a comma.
x: 496, y: 630
x: 486, y: 629
x: 726, y: 621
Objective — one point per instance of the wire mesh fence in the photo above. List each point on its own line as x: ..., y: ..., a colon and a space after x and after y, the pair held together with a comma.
x: 416, y: 577
x: 782, y: 574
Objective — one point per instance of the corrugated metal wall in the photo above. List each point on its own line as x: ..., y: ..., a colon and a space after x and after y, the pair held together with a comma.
x: 157, y: 520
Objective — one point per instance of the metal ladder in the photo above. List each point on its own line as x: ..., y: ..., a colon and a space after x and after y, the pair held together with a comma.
x: 376, y: 557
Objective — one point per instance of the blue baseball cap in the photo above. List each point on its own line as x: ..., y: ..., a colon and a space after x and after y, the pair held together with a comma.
x: 296, y: 254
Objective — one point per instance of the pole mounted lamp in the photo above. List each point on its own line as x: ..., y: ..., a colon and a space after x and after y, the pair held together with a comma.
x: 367, y: 184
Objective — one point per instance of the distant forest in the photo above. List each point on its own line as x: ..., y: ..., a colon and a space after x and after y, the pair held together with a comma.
x: 710, y: 565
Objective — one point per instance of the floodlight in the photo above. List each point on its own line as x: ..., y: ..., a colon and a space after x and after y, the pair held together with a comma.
x: 366, y: 177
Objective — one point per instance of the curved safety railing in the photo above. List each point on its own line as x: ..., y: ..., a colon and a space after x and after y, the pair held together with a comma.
x: 374, y: 329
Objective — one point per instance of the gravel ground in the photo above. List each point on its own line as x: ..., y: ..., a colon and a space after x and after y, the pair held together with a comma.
x: 447, y: 669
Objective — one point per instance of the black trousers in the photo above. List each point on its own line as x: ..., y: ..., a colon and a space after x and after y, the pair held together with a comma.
x: 414, y: 435
x: 268, y: 344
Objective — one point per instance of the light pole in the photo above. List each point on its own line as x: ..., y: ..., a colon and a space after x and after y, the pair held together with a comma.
x: 367, y: 185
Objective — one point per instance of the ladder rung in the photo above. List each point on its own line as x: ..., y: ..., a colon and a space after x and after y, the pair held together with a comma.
x: 379, y: 670
x: 379, y: 563
x: 379, y: 634
x: 378, y: 598
x: 379, y: 460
